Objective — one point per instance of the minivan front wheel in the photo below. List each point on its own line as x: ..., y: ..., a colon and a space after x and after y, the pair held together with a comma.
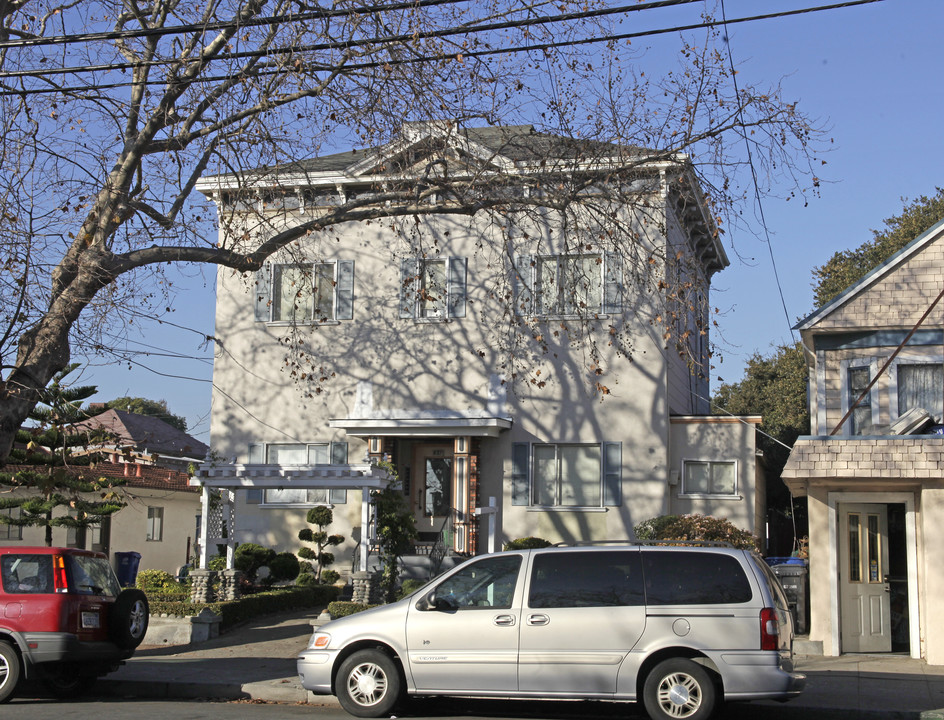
x: 679, y: 689
x: 368, y: 684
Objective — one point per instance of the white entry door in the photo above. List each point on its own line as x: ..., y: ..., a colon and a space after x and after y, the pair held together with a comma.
x: 863, y: 586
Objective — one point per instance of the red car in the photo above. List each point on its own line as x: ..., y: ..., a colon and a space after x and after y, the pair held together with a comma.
x: 64, y: 618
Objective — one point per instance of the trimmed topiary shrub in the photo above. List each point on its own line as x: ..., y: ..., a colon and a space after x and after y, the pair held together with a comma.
x: 249, y: 557
x: 526, y: 543
x: 409, y: 586
x: 283, y: 566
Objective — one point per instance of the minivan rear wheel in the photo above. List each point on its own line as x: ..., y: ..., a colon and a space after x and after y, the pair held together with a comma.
x: 368, y: 684
x: 679, y: 689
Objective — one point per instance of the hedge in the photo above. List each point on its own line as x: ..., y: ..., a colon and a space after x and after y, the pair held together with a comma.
x: 233, y: 612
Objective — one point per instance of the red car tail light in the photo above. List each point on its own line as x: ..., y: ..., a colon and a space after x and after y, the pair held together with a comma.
x: 769, y: 629
x: 60, y: 582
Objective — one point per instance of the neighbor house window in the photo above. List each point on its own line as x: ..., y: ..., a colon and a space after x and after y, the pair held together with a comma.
x: 566, y: 475
x: 861, y: 417
x: 155, y: 524
x: 298, y: 454
x: 432, y: 289
x: 921, y: 386
x: 568, y: 285
x: 709, y: 478
x: 305, y: 293
x: 7, y: 531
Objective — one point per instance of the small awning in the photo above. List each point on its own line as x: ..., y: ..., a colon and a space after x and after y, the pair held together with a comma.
x: 424, y: 425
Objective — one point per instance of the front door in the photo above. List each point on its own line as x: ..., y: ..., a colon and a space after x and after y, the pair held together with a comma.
x: 863, y: 578
x: 432, y: 491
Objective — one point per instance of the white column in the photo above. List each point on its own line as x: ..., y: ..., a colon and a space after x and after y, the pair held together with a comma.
x: 204, y: 525
x: 365, y: 528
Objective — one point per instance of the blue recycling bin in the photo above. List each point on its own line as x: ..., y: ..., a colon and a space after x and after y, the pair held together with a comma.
x: 127, y: 567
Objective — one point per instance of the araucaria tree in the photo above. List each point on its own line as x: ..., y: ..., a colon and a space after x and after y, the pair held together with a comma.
x: 51, y: 477
x: 112, y: 110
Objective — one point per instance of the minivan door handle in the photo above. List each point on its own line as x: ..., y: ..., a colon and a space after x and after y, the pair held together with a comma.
x: 538, y: 619
x: 504, y: 620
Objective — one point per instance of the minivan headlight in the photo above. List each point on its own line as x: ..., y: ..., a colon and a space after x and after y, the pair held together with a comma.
x: 319, y: 641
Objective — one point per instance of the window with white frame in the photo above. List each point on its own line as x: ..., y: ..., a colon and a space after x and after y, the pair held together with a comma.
x: 305, y: 293
x: 709, y: 477
x: 8, y: 531
x: 566, y: 475
x: 432, y: 288
x: 155, y: 524
x: 921, y: 385
x: 334, y: 453
x: 568, y: 285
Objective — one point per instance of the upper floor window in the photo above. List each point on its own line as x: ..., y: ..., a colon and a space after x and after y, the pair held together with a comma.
x: 709, y: 478
x: 921, y: 386
x: 861, y: 417
x: 305, y: 293
x: 432, y: 288
x: 298, y: 454
x: 566, y: 475
x: 568, y: 285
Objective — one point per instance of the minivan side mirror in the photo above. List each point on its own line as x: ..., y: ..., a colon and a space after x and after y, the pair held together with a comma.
x: 442, y: 603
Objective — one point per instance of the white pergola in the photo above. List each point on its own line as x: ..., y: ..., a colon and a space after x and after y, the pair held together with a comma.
x: 229, y: 477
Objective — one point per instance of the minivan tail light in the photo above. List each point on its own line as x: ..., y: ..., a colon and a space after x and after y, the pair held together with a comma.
x: 769, y: 629
x: 60, y: 583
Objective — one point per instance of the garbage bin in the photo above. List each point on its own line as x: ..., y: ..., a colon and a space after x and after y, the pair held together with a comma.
x: 126, y: 567
x: 793, y: 580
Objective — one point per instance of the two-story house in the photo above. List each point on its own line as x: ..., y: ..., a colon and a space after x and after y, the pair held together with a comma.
x: 873, y: 470
x: 530, y: 370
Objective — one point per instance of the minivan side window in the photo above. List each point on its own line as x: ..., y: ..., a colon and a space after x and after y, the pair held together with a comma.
x: 586, y: 579
x: 486, y: 583
x: 694, y: 578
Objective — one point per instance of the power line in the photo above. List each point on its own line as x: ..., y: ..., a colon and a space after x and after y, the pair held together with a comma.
x: 349, y: 68
x: 757, y: 196
x: 465, y: 30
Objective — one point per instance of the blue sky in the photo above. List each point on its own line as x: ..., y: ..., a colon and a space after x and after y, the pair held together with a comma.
x: 871, y: 74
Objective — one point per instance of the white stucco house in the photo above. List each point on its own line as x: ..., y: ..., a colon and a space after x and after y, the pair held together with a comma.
x: 484, y: 355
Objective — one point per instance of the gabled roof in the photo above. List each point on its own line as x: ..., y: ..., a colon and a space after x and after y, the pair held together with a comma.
x: 501, y: 148
x: 932, y: 234
x: 144, y: 432
x: 134, y: 474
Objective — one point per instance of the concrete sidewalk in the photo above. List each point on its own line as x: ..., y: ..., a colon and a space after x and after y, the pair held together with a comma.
x: 257, y: 661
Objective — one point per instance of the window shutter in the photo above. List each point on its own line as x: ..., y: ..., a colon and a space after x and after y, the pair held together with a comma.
x: 408, y: 269
x: 457, y: 292
x: 520, y: 474
x: 263, y: 293
x: 345, y: 290
x: 522, y: 280
x: 338, y: 457
x: 612, y: 471
x: 339, y: 453
x: 612, y: 284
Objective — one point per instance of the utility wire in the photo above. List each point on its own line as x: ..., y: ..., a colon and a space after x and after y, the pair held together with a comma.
x: 459, y: 55
x: 757, y: 197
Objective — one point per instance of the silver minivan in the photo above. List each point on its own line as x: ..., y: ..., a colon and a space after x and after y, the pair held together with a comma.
x: 679, y: 628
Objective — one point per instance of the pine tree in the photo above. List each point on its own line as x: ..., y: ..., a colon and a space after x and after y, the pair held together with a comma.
x: 49, y: 475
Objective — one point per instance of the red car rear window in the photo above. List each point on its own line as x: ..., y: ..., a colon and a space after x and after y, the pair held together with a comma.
x: 27, y: 574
